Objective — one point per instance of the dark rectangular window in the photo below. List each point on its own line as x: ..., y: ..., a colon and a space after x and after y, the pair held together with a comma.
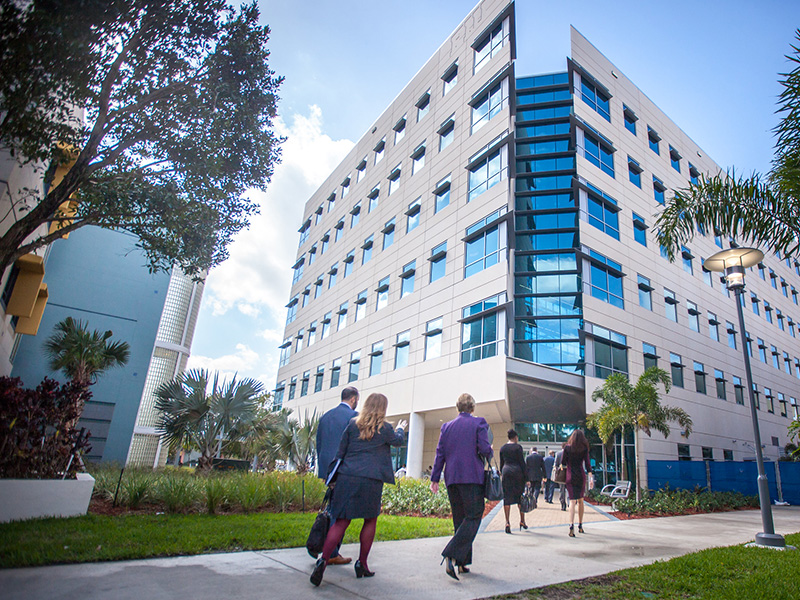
x: 675, y: 159
x: 684, y: 453
x: 606, y: 280
x: 676, y: 367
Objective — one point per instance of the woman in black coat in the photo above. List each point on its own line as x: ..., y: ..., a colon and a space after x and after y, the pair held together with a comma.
x: 512, y: 468
x: 365, y: 465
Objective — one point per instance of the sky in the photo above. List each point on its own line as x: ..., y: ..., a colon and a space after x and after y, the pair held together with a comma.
x: 711, y: 65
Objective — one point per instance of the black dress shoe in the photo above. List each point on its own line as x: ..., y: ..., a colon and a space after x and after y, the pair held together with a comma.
x: 463, y: 569
x: 319, y: 569
x: 362, y: 571
x: 448, y: 567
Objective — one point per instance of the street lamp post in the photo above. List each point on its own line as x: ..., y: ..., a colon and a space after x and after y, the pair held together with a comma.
x: 733, y: 263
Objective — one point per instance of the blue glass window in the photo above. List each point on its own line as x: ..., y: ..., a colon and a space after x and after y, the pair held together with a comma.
x: 639, y: 230
x: 438, y: 261
x: 658, y: 190
x: 634, y: 172
x: 442, y: 194
x: 675, y: 159
x: 595, y: 98
x: 603, y: 214
x: 599, y: 154
x: 610, y: 352
x: 545, y: 147
x: 630, y: 119
x: 479, y: 336
x: 606, y: 280
x: 486, y: 174
x: 694, y: 174
x: 489, y: 105
x: 653, y: 139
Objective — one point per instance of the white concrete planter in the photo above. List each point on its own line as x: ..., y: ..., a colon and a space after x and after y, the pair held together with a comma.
x: 22, y: 499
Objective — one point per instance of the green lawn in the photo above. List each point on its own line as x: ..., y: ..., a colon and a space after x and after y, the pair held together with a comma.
x: 734, y: 573
x: 97, y: 538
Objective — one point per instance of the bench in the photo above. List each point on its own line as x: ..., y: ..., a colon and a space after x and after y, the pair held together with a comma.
x: 621, y: 489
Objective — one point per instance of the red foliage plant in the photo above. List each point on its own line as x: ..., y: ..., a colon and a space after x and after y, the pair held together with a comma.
x: 37, y: 429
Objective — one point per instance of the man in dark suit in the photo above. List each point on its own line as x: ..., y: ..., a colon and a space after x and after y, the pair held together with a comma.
x: 534, y: 473
x: 329, y: 434
x: 549, y: 484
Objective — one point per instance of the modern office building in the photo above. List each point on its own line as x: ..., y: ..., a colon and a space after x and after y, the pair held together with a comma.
x: 99, y: 276
x: 491, y: 234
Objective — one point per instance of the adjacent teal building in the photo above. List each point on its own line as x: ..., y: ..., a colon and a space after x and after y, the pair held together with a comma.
x: 99, y: 276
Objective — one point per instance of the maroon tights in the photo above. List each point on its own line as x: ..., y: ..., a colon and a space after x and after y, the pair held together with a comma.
x: 336, y: 533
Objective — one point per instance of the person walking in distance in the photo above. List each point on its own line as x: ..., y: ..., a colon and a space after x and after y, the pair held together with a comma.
x: 576, y: 459
x: 462, y: 443
x: 329, y: 433
x: 535, y: 472
x: 562, y: 487
x: 512, y: 468
x: 549, y: 484
x: 366, y: 464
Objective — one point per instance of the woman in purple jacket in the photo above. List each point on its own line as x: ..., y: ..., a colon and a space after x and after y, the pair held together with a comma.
x: 462, y: 442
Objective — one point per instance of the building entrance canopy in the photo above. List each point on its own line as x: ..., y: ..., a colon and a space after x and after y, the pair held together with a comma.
x: 540, y: 394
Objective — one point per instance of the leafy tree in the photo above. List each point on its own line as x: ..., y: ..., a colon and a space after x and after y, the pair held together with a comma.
x: 84, y: 355
x: 286, y: 439
x: 162, y: 109
x: 210, y: 415
x: 637, y: 406
x: 761, y: 210
x: 794, y: 434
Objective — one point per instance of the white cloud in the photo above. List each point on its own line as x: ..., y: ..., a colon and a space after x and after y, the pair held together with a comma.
x: 240, y: 363
x: 257, y: 276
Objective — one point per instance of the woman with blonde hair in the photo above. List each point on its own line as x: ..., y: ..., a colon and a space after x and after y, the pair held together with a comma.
x: 366, y: 464
x: 462, y: 443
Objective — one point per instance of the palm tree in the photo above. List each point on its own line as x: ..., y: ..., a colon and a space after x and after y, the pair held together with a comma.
x: 637, y: 406
x: 81, y: 354
x: 760, y: 210
x: 289, y: 440
x: 210, y: 419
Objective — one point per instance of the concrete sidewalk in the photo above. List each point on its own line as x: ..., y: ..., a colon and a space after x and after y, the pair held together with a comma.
x: 406, y: 569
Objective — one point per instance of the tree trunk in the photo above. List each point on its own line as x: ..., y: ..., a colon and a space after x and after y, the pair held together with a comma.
x: 622, y: 453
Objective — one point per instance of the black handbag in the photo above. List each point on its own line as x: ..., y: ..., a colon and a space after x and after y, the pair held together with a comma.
x: 319, y: 530
x: 492, y: 483
x: 527, y: 502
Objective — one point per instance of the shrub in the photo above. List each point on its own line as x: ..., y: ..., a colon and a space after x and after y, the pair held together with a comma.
x: 249, y: 492
x: 38, y: 439
x: 136, y: 488
x: 675, y: 502
x: 215, y: 494
x: 175, y: 492
x: 414, y: 496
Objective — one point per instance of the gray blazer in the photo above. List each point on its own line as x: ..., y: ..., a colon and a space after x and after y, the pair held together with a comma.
x: 369, y: 458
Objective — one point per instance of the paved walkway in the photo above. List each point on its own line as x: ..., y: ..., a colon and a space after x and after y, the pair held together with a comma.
x: 406, y: 569
x: 544, y: 515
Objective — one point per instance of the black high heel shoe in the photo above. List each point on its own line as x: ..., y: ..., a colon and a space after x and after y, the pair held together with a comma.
x: 508, y: 528
x: 580, y: 528
x: 362, y: 571
x: 319, y: 569
x: 522, y: 526
x: 448, y: 568
x: 571, y: 531
x: 463, y: 569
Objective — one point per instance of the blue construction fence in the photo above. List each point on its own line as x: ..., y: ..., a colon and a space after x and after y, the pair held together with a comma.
x: 728, y: 476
